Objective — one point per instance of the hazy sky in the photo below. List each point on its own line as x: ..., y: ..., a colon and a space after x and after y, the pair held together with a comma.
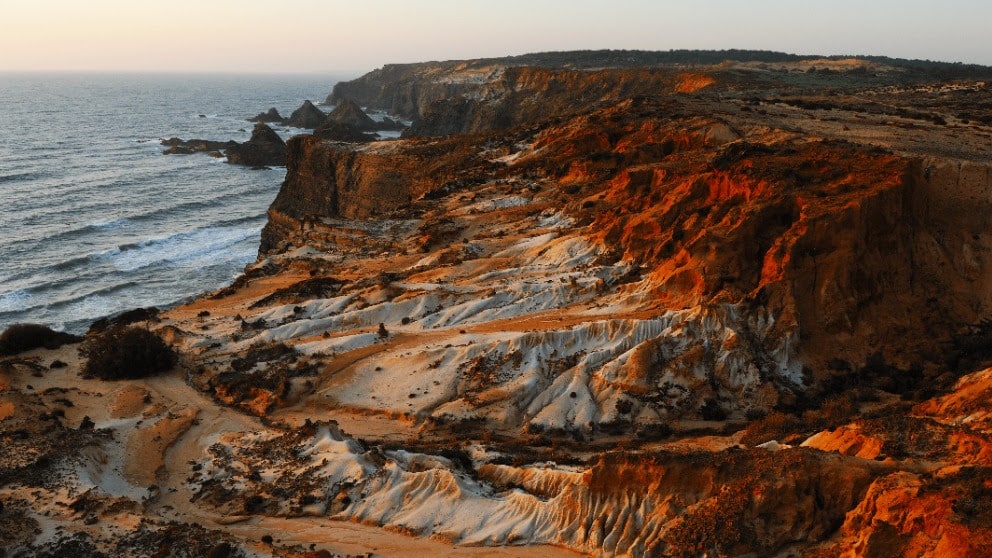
x: 356, y: 36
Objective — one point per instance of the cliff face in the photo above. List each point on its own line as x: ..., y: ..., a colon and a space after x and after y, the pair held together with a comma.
x: 402, y: 89
x: 474, y: 96
x: 460, y: 98
x: 360, y: 181
x: 528, y: 95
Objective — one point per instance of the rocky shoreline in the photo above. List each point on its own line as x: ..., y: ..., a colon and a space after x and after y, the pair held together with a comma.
x: 595, y: 308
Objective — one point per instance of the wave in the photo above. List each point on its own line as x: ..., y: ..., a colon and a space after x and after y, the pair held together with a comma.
x: 101, y: 293
x: 15, y: 301
x: 46, y: 214
x: 244, y: 228
x: 74, y: 281
x: 21, y: 177
x: 103, y: 225
x: 22, y: 301
x: 180, y: 248
x: 99, y: 182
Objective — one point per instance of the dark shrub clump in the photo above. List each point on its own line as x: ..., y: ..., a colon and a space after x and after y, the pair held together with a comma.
x: 24, y: 337
x: 126, y: 352
x: 124, y: 319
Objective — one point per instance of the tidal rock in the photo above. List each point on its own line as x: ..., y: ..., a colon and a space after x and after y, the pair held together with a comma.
x: 264, y: 148
x: 272, y: 115
x: 307, y: 116
x: 177, y: 146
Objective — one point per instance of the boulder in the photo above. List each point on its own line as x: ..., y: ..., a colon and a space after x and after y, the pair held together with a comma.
x: 307, y: 116
x: 263, y: 149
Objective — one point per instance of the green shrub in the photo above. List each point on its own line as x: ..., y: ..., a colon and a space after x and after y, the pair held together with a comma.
x: 24, y: 337
x: 126, y: 352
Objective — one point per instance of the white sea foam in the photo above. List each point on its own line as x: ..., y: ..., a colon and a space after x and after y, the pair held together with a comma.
x: 111, y: 224
x: 194, y: 247
x: 16, y: 300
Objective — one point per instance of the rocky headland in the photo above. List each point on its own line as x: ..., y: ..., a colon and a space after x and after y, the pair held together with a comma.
x: 594, y: 303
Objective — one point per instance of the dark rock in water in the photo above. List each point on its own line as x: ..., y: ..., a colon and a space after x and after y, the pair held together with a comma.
x: 341, y: 131
x: 307, y: 116
x: 348, y: 112
x: 264, y: 148
x: 179, y: 146
x: 390, y: 124
x: 272, y: 115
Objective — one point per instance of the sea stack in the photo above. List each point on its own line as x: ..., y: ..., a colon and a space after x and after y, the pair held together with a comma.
x: 271, y: 116
x: 307, y: 116
x: 265, y: 148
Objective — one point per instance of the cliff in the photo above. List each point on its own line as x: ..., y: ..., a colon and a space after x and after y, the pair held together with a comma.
x: 445, y: 90
x: 709, y: 217
x: 730, y: 309
x: 359, y: 181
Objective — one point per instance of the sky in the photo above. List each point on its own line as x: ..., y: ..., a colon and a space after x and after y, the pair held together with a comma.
x: 335, y: 36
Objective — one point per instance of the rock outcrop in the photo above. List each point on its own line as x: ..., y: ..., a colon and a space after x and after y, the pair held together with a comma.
x: 338, y: 131
x: 307, y: 116
x: 263, y: 149
x: 271, y: 116
x: 177, y: 146
x: 349, y: 113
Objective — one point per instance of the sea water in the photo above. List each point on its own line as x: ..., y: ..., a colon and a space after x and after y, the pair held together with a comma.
x: 94, y: 219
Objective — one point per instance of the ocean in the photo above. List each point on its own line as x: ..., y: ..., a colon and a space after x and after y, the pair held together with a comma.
x: 95, y: 220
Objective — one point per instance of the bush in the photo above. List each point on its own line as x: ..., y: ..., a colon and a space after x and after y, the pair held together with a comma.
x: 711, y: 411
x: 24, y: 337
x: 124, y: 319
x: 126, y: 352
